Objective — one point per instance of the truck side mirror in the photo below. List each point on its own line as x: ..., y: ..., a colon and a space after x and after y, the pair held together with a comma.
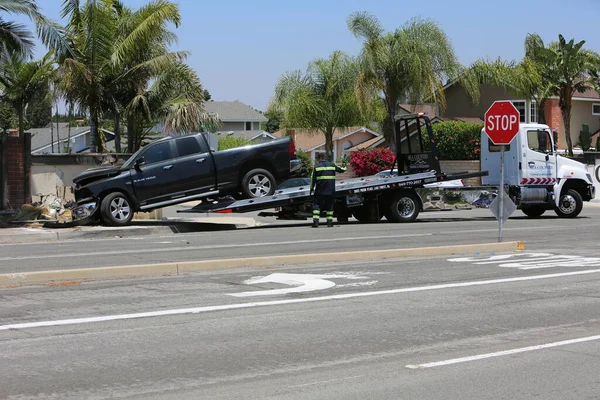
x: 140, y: 161
x: 547, y: 157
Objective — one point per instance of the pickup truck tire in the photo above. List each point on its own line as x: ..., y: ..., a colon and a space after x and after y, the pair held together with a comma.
x: 116, y: 209
x: 404, y: 207
x: 258, y: 183
x: 570, y: 204
x: 533, y: 211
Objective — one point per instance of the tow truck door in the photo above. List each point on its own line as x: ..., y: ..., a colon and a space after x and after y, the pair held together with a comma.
x: 539, y: 159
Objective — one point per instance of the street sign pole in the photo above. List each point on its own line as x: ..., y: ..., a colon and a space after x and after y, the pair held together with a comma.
x: 501, y: 194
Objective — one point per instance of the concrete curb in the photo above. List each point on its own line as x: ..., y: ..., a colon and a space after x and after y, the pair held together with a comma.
x: 180, y: 268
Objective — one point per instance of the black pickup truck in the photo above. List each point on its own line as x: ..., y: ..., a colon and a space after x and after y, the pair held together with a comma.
x: 176, y: 170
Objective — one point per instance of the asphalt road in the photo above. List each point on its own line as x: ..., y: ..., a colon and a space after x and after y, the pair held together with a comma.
x: 431, y: 229
x: 514, y: 326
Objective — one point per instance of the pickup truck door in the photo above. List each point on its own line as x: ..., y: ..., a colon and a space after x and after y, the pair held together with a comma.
x: 195, y: 168
x: 539, y: 163
x: 153, y: 176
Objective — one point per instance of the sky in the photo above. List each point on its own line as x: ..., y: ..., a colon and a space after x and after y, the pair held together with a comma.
x: 239, y: 48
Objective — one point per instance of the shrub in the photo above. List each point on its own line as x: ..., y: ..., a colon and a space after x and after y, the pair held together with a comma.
x: 370, y: 162
x: 229, y: 142
x: 307, y: 163
x: 457, y: 140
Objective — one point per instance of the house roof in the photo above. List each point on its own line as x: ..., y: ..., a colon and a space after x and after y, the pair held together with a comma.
x: 307, y: 140
x: 41, y: 138
x: 588, y: 94
x: 250, y: 135
x: 234, y: 111
x: 428, y: 109
x: 368, y: 144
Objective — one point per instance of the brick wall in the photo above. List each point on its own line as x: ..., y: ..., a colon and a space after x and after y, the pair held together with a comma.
x: 450, y: 167
x: 554, y: 120
x: 17, y: 185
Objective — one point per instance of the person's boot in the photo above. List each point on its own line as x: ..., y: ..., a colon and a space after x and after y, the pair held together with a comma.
x: 330, y: 224
x: 315, y: 223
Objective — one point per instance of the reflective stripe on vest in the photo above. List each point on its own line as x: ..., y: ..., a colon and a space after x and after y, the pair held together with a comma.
x: 320, y: 178
x: 325, y: 169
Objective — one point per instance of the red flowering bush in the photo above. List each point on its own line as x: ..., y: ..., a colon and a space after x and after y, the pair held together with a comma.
x: 457, y: 140
x: 370, y: 162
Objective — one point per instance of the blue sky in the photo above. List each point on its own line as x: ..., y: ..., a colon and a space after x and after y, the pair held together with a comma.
x: 240, y: 48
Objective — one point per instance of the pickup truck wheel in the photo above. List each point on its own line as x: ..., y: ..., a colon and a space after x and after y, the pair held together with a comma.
x: 570, y: 204
x: 404, y: 207
x: 258, y: 183
x: 533, y: 211
x: 116, y: 209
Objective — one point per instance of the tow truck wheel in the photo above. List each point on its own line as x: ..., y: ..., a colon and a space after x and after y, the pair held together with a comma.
x: 258, y: 183
x: 116, y: 209
x: 404, y: 207
x: 533, y: 211
x: 570, y: 204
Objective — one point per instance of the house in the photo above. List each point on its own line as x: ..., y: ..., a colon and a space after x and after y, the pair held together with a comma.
x: 235, y: 115
x: 585, y: 110
x: 59, y: 139
x: 345, y: 140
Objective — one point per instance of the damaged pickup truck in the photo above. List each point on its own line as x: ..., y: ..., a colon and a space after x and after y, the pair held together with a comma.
x: 177, y: 170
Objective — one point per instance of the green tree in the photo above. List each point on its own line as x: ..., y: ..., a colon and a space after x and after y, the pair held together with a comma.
x: 207, y: 96
x: 321, y: 99
x: 409, y: 64
x: 39, y: 110
x: 21, y: 80
x: 275, y: 119
x: 118, y: 52
x: 15, y: 38
x: 559, y: 69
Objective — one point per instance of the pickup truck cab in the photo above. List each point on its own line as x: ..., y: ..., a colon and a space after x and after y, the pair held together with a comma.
x: 177, y: 170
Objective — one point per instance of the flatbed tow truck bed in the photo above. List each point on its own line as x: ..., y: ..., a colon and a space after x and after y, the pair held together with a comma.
x: 354, y: 192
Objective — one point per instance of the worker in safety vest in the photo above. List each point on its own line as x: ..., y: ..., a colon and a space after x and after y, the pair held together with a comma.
x: 322, y: 183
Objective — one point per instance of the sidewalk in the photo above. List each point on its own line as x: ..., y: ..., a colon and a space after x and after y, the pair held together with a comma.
x: 164, y: 227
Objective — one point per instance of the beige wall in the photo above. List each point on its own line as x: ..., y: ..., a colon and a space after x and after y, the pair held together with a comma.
x: 459, y: 104
x: 581, y: 113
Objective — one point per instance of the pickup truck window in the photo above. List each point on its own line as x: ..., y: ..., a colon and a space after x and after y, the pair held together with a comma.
x: 539, y: 140
x: 158, y: 152
x: 188, y: 145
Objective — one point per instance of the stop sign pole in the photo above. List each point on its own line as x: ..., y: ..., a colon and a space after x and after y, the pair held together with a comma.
x: 501, y: 126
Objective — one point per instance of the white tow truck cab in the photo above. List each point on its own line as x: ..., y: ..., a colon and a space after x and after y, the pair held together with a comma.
x: 538, y: 179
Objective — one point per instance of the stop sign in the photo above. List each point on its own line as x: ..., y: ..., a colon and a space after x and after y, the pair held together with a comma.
x: 502, y: 122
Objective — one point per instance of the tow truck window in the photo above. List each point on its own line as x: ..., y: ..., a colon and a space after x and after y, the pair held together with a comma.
x: 493, y: 148
x: 539, y: 140
x: 158, y: 152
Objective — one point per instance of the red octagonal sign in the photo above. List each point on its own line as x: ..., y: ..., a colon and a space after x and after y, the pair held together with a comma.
x: 502, y: 122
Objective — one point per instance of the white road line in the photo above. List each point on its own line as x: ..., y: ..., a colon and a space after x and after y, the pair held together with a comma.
x: 197, y: 310
x: 208, y: 247
x: 503, y: 353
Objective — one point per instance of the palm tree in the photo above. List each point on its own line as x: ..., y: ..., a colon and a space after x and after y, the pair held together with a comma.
x: 117, y: 52
x: 409, y: 64
x: 321, y: 99
x: 573, y: 66
x: 22, y: 80
x: 15, y: 38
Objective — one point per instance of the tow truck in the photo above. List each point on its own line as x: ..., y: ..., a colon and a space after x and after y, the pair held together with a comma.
x: 370, y: 198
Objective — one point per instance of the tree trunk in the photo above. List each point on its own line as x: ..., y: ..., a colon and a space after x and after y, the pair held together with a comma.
x: 329, y: 143
x: 93, y: 131
x: 565, y: 110
x: 541, y: 111
x: 26, y: 157
x: 130, y: 134
x: 57, y: 134
x: 117, y: 121
x: 391, y: 111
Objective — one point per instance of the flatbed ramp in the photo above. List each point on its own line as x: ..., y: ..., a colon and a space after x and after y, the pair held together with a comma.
x: 347, y: 188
